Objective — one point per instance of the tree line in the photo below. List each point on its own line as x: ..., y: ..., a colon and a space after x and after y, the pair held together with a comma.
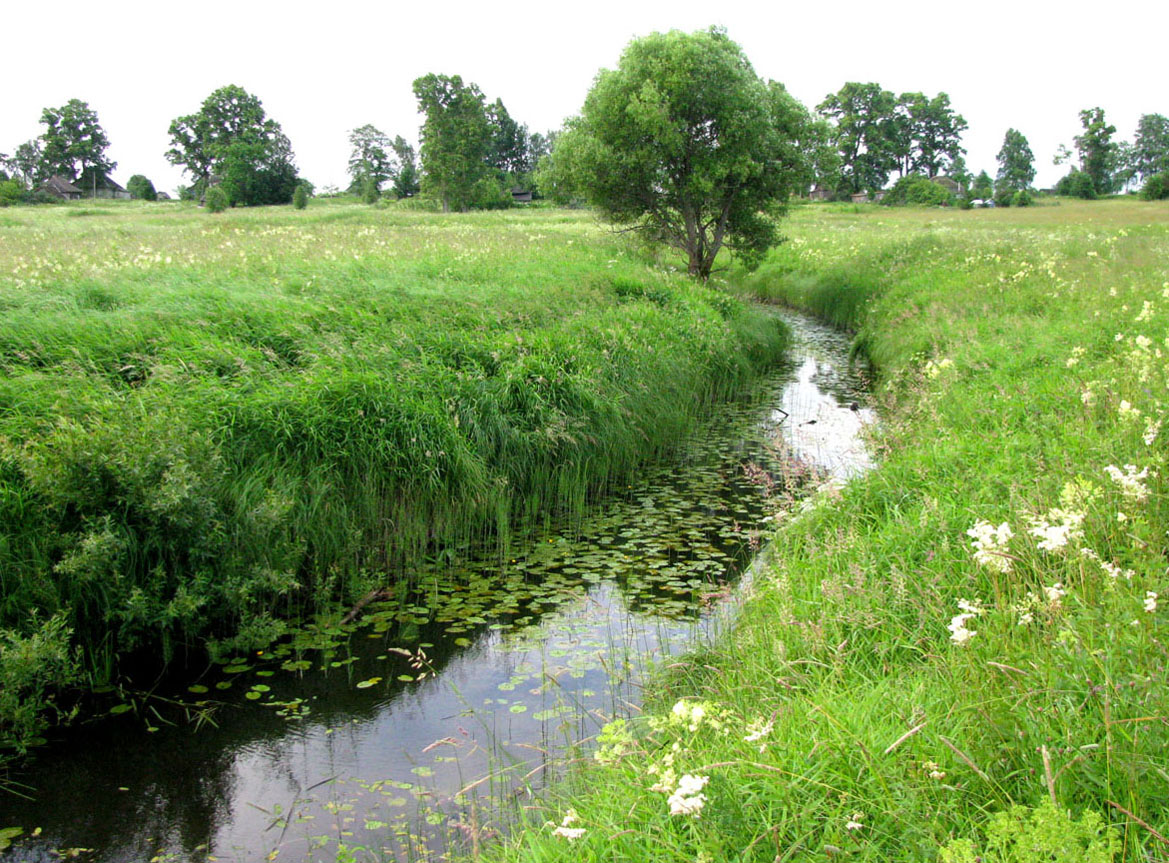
x: 473, y: 152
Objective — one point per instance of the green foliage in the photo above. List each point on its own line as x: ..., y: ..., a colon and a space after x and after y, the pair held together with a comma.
x: 74, y: 141
x: 865, y: 134
x: 11, y: 192
x: 1096, y: 149
x: 456, y: 140
x: 919, y: 191
x: 1016, y: 162
x: 141, y: 189
x: 217, y: 200
x: 1150, y: 151
x: 406, y: 183
x: 1046, y: 833
x: 369, y: 191
x: 1156, y: 188
x: 1076, y: 184
x: 232, y: 136
x: 33, y: 665
x: 369, y: 161
x: 1022, y: 198
x: 1003, y: 196
x: 982, y: 188
x: 300, y: 197
x: 686, y: 145
x: 927, y: 134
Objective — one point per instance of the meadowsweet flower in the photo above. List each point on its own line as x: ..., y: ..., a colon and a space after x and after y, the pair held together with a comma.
x: 1074, y: 359
x: 1143, y: 342
x: 566, y: 830
x: 757, y: 730
x: 1026, y: 618
x: 1127, y: 411
x: 1109, y: 568
x: 854, y: 823
x: 960, y: 634
x: 1057, y: 529
x: 1088, y: 398
x: 1150, y: 601
x: 687, y: 799
x: 1146, y: 312
x: 1129, y: 481
x: 1151, y: 430
x: 1055, y: 594
x: 989, y: 544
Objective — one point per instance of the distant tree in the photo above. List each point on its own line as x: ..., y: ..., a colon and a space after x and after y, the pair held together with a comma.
x: 509, y: 143
x: 982, y: 189
x: 1156, y: 188
x: 1016, y: 162
x: 960, y: 173
x: 231, y: 135
x: 369, y: 159
x: 141, y: 189
x: 1077, y: 184
x: 30, y: 165
x: 1095, y: 147
x: 1151, y: 146
x: 405, y: 178
x: 686, y: 145
x: 300, y: 197
x: 11, y: 192
x: 74, y: 141
x: 456, y: 139
x: 1122, y: 166
x: 865, y: 134
x: 927, y: 134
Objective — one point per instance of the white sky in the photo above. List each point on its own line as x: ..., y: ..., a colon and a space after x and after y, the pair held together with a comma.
x: 321, y: 69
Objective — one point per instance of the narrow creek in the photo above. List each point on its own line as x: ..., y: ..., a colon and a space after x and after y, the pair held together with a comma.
x: 403, y: 733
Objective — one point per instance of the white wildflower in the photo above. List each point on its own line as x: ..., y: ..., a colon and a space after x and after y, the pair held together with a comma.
x: 1150, y: 601
x: 989, y: 544
x: 757, y: 730
x: 1057, y: 529
x: 1143, y: 342
x: 1055, y: 594
x: 1127, y: 411
x: 566, y: 831
x: 1026, y: 618
x: 855, y: 822
x: 687, y: 799
x: 1088, y: 398
x: 1151, y: 431
x: 1129, y: 481
x: 1146, y: 312
x: 960, y: 634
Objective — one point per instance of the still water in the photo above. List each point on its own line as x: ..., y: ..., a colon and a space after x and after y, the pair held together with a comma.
x: 410, y: 731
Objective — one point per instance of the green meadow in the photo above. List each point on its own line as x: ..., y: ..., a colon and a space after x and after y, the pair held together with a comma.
x: 214, y: 426
x: 962, y: 655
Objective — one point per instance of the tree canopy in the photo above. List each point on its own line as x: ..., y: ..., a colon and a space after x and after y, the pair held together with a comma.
x: 456, y: 139
x: 369, y: 161
x: 1016, y: 162
x: 1096, y: 149
x: 684, y: 143
x: 230, y: 135
x: 73, y: 141
x: 1150, y: 152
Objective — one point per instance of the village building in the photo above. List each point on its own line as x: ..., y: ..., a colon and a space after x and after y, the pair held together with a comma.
x: 98, y: 184
x: 949, y: 184
x: 59, y: 187
x: 819, y: 193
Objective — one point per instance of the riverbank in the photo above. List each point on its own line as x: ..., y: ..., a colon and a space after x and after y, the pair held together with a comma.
x: 976, y: 625
x: 215, y: 425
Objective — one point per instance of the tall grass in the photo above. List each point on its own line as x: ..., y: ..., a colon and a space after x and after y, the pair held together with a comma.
x: 210, y: 425
x: 906, y: 668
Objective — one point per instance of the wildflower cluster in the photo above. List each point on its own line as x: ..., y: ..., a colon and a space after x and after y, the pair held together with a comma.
x: 990, y: 545
x: 960, y: 634
x: 566, y: 830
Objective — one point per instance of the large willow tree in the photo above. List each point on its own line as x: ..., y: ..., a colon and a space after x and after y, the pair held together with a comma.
x: 686, y: 144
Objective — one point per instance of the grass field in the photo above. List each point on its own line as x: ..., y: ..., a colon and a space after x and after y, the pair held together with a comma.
x: 212, y: 425
x: 962, y: 655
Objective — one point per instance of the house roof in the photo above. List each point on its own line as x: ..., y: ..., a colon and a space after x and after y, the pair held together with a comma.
x: 61, y: 186
x: 103, y: 181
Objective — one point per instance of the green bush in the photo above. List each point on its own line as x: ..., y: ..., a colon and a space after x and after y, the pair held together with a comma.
x: 915, y: 190
x: 11, y: 192
x: 369, y: 192
x: 300, y: 198
x: 1077, y: 184
x: 1004, y: 197
x: 1021, y: 198
x: 31, y: 666
x: 141, y: 189
x: 1156, y: 188
x: 216, y: 200
x: 1046, y: 833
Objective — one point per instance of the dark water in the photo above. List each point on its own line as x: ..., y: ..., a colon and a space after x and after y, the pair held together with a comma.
x: 414, y: 731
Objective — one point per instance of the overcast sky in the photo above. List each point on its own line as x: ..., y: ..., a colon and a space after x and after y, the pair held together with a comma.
x: 322, y: 69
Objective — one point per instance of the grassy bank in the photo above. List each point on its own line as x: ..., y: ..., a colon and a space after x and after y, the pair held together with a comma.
x: 210, y: 425
x: 977, y: 625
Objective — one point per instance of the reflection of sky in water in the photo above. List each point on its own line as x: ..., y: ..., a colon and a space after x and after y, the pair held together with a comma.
x: 502, y: 700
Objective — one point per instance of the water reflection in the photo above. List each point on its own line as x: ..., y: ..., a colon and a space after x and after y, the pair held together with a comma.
x: 409, y: 730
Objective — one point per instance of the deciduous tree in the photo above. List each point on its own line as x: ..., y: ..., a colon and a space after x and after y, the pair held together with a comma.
x: 231, y: 134
x: 74, y: 140
x: 1016, y: 162
x: 1151, y: 146
x: 406, y: 176
x: 141, y: 189
x: 685, y: 144
x: 369, y: 161
x: 866, y: 134
x: 1095, y: 147
x: 456, y: 139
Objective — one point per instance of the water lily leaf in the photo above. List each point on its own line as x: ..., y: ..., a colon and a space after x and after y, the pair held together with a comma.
x: 198, y: 689
x: 366, y: 684
x: 120, y: 708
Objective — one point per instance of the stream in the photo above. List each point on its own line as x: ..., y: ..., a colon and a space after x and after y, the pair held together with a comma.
x: 417, y: 727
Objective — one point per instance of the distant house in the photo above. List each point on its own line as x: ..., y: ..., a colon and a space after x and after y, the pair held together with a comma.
x: 59, y: 187
x: 949, y: 184
x: 521, y: 196
x: 819, y: 193
x: 161, y: 196
x: 878, y: 196
x: 860, y: 198
x: 100, y: 185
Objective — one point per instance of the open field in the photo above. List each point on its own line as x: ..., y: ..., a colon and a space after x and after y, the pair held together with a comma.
x: 979, y: 623
x: 210, y: 425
